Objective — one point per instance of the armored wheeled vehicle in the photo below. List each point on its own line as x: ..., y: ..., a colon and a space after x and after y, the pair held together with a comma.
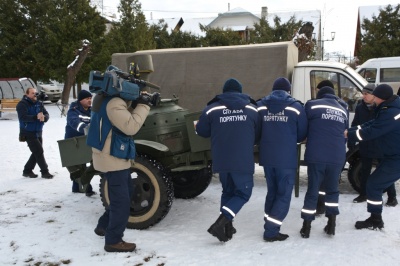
x: 171, y: 161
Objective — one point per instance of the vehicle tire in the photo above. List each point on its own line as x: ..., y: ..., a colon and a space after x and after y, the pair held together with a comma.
x: 54, y: 101
x: 153, y: 193
x: 190, y: 184
x: 354, y: 174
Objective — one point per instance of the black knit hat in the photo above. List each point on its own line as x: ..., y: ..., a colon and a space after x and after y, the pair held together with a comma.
x: 325, y: 90
x: 83, y: 94
x: 232, y: 85
x: 281, y: 84
x: 325, y: 83
x: 383, y: 91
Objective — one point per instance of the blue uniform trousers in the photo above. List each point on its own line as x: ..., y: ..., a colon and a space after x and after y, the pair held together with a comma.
x: 116, y: 216
x: 236, y: 191
x: 329, y: 175
x: 277, y: 202
x: 377, y: 183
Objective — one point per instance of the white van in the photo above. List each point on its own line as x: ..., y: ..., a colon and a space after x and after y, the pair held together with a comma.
x: 382, y: 70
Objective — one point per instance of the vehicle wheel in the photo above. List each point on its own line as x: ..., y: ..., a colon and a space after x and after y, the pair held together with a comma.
x: 153, y: 193
x: 190, y: 184
x: 354, y: 174
x: 54, y: 101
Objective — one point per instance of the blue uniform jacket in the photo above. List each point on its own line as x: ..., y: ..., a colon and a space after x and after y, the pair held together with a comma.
x: 77, y: 119
x: 327, y: 121
x: 231, y: 120
x: 283, y: 125
x: 385, y: 128
x: 27, y: 111
x: 365, y: 113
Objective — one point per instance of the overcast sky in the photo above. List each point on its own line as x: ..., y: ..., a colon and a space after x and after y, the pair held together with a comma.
x: 339, y: 16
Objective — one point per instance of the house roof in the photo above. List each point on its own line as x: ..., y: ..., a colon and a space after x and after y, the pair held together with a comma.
x: 239, y: 18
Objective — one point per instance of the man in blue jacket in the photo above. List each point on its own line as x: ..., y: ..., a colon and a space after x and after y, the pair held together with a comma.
x: 32, y: 115
x: 385, y: 128
x: 284, y: 124
x: 232, y: 122
x: 369, y: 150
x: 325, y: 156
x: 78, y: 118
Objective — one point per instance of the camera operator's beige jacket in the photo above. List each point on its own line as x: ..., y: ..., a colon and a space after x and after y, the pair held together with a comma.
x: 126, y: 121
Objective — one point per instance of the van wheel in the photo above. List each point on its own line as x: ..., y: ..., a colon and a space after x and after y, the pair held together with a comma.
x: 354, y: 174
x: 153, y: 193
x: 190, y: 184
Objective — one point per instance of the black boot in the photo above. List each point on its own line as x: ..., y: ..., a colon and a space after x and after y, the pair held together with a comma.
x: 320, y: 205
x: 229, y: 230
x: 278, y: 237
x: 391, y: 202
x: 305, y: 230
x: 373, y: 222
x: 217, y: 229
x: 330, y: 227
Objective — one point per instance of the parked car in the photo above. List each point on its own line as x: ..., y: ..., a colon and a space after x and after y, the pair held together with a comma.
x: 51, y: 89
x: 382, y: 70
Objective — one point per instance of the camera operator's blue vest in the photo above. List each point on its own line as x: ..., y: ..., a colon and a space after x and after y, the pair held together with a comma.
x: 122, y: 145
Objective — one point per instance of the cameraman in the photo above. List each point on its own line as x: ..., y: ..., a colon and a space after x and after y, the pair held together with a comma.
x: 32, y: 115
x: 114, y: 121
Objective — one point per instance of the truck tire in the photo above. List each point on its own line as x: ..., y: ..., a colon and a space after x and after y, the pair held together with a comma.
x: 190, y: 184
x: 354, y: 174
x: 153, y: 193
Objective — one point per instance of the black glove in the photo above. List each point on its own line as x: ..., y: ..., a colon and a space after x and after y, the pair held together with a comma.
x: 148, y: 99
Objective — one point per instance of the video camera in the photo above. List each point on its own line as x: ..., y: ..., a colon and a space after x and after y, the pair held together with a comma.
x: 115, y: 82
x: 41, y: 96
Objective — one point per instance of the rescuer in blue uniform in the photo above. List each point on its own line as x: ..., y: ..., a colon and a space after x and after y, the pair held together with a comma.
x: 232, y: 122
x: 325, y: 156
x: 321, y: 192
x: 78, y: 118
x: 369, y: 150
x: 385, y: 128
x: 283, y: 125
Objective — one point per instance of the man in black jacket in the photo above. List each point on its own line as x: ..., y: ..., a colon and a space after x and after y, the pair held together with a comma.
x: 32, y: 115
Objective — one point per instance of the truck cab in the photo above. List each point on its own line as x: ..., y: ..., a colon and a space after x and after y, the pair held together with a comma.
x: 347, y: 83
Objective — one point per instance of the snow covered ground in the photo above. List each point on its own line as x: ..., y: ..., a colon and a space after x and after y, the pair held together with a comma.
x: 43, y: 223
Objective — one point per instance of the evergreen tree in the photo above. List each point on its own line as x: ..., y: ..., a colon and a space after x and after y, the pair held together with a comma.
x: 132, y: 33
x: 161, y: 35
x: 38, y: 39
x: 262, y: 32
x: 381, y: 37
x: 220, y: 37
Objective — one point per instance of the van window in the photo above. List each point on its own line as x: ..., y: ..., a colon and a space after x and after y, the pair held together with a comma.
x: 390, y: 75
x: 369, y: 74
x: 344, y: 87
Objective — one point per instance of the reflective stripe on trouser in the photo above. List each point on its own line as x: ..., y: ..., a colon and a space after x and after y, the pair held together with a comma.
x: 236, y: 191
x: 318, y: 173
x: 280, y: 184
x: 377, y: 182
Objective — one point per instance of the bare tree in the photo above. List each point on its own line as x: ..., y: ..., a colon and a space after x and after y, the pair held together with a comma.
x: 72, y: 70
